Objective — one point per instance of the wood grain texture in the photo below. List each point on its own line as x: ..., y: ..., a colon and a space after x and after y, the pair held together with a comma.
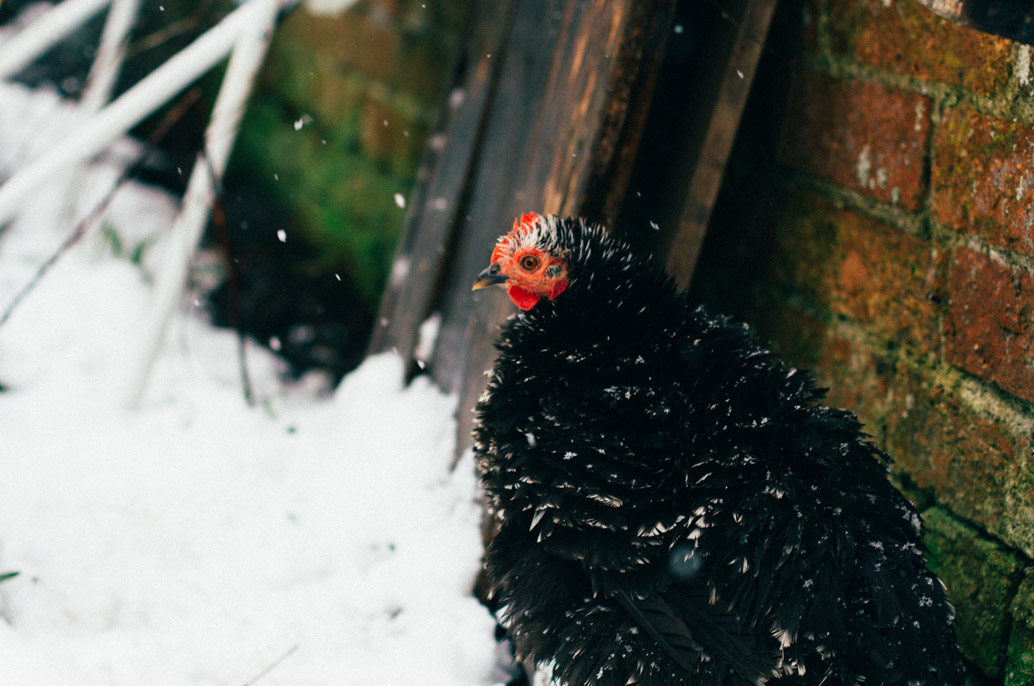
x: 438, y: 198
x: 714, y: 143
x: 555, y: 94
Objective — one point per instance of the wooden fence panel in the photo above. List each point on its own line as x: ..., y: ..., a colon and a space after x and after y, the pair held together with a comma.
x: 423, y: 253
x: 557, y: 95
x: 552, y: 91
x: 709, y: 140
x: 556, y: 106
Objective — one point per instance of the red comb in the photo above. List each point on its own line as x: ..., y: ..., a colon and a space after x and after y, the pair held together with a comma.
x: 526, y: 221
x: 522, y: 224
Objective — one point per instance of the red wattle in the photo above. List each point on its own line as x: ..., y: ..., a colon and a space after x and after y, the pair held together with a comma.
x: 522, y: 298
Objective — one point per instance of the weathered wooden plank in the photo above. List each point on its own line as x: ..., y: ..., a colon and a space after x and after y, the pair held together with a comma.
x: 596, y: 98
x: 715, y: 143
x: 466, y: 316
x: 550, y: 156
x: 423, y: 251
x: 551, y: 120
x: 641, y: 53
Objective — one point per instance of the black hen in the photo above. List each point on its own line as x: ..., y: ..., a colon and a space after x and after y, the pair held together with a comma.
x: 673, y: 506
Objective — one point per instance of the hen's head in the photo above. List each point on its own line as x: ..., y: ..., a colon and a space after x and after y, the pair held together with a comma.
x: 528, y: 261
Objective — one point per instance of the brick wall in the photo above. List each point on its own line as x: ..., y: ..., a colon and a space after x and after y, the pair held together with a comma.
x: 888, y: 246
x: 340, y: 123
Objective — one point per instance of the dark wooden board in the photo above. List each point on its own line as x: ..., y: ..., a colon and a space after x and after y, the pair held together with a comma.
x: 557, y: 123
x: 709, y: 149
x: 556, y: 97
x: 438, y: 198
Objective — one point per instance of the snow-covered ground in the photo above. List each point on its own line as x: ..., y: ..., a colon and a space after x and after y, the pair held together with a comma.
x: 196, y: 540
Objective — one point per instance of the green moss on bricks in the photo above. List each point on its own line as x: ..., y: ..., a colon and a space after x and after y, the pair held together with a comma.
x: 362, y: 88
x: 908, y: 39
x: 979, y: 176
x: 981, y: 577
x: 1019, y: 669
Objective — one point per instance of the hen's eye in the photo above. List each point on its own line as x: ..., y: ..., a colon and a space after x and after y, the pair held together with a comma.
x: 529, y: 262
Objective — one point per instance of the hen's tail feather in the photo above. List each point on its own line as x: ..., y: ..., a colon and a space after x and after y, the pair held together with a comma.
x: 717, y: 631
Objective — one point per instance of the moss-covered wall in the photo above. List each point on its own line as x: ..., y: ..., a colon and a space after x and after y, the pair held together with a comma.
x: 339, y: 124
x: 888, y: 246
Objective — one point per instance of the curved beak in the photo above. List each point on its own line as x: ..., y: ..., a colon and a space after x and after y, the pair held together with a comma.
x: 493, y: 276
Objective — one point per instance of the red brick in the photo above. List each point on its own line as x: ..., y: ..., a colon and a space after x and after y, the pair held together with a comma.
x: 847, y: 263
x: 988, y: 329
x: 889, y: 282
x: 906, y: 38
x: 859, y: 135
x: 859, y: 379
x: 796, y: 337
x: 847, y: 296
x: 965, y: 457
x: 975, y: 463
x: 982, y: 178
x: 792, y: 250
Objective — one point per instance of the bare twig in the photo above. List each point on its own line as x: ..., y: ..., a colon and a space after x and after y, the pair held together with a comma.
x: 174, y: 115
x: 276, y: 663
x: 246, y: 55
x: 167, y: 33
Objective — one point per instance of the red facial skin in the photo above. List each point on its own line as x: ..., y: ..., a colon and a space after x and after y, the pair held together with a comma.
x: 533, y: 274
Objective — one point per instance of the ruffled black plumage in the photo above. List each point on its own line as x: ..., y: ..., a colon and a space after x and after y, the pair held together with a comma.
x: 675, y: 507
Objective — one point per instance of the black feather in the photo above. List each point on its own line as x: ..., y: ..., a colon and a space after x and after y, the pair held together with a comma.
x: 686, y: 512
